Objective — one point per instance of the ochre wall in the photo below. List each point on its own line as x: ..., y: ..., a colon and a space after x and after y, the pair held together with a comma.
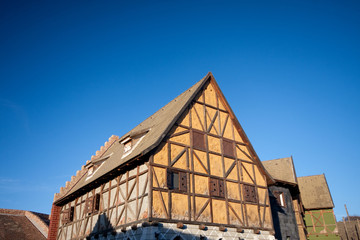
x: 299, y: 218
x: 209, y: 115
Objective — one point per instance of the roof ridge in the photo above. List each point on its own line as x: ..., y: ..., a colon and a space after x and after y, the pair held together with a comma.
x: 158, y: 124
x: 37, y: 222
x: 315, y: 175
x: 12, y: 211
x: 104, y: 148
x: 275, y: 159
x: 281, y: 169
x: 166, y: 105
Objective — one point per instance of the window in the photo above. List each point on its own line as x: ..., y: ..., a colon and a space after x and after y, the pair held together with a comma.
x: 228, y: 148
x: 68, y: 215
x: 97, y: 202
x: 249, y: 193
x: 178, y: 238
x: 92, y: 204
x: 280, y: 198
x: 91, y: 170
x: 217, y: 188
x: 199, y: 140
x: 176, y: 180
x: 127, y: 144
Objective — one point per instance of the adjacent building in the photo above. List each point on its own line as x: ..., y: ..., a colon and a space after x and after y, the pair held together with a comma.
x: 318, y: 204
x: 286, y: 205
x: 25, y: 225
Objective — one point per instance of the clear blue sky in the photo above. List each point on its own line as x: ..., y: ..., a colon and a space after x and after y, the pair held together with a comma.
x: 74, y: 73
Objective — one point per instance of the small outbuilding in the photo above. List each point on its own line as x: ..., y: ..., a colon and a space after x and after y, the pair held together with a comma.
x: 318, y: 204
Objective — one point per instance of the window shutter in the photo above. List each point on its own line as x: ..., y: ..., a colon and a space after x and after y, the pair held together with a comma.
x: 214, y: 187
x: 89, y: 204
x: 183, y: 182
x: 66, y: 216
x: 221, y: 188
x: 199, y: 140
x: 228, y: 148
x: 169, y: 179
x: 97, y: 202
x: 249, y: 193
x: 71, y: 213
x: 253, y: 194
x: 246, y: 193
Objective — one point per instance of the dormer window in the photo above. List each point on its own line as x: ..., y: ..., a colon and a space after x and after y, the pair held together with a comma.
x: 90, y: 171
x: 130, y: 142
x: 95, y: 164
x: 127, y: 144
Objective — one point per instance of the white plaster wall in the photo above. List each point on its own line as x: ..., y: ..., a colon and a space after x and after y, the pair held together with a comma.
x: 190, y: 232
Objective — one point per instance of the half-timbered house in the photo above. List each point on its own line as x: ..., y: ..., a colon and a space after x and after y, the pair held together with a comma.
x: 286, y: 206
x: 319, y: 214
x: 187, y: 172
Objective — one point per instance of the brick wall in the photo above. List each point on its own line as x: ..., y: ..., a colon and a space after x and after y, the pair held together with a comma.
x: 54, y: 222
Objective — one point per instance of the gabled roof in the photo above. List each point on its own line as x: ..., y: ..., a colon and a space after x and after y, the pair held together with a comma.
x: 152, y: 130
x: 315, y: 193
x: 281, y: 169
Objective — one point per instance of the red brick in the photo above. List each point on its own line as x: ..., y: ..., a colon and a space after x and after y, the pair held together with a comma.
x: 54, y: 222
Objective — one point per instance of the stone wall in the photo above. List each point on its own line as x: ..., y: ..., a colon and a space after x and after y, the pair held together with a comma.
x: 283, y: 216
x: 170, y: 231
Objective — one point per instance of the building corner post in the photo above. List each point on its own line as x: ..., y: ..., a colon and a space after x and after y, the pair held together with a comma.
x: 54, y: 222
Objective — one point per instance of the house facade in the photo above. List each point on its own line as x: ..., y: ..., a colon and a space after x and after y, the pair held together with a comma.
x: 318, y: 204
x: 187, y: 172
x: 286, y: 206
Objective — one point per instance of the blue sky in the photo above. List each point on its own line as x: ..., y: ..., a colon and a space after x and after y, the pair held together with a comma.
x: 74, y: 73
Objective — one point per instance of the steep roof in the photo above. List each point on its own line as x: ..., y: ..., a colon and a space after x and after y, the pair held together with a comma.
x: 315, y: 192
x: 19, y: 224
x: 281, y: 169
x: 153, y: 130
